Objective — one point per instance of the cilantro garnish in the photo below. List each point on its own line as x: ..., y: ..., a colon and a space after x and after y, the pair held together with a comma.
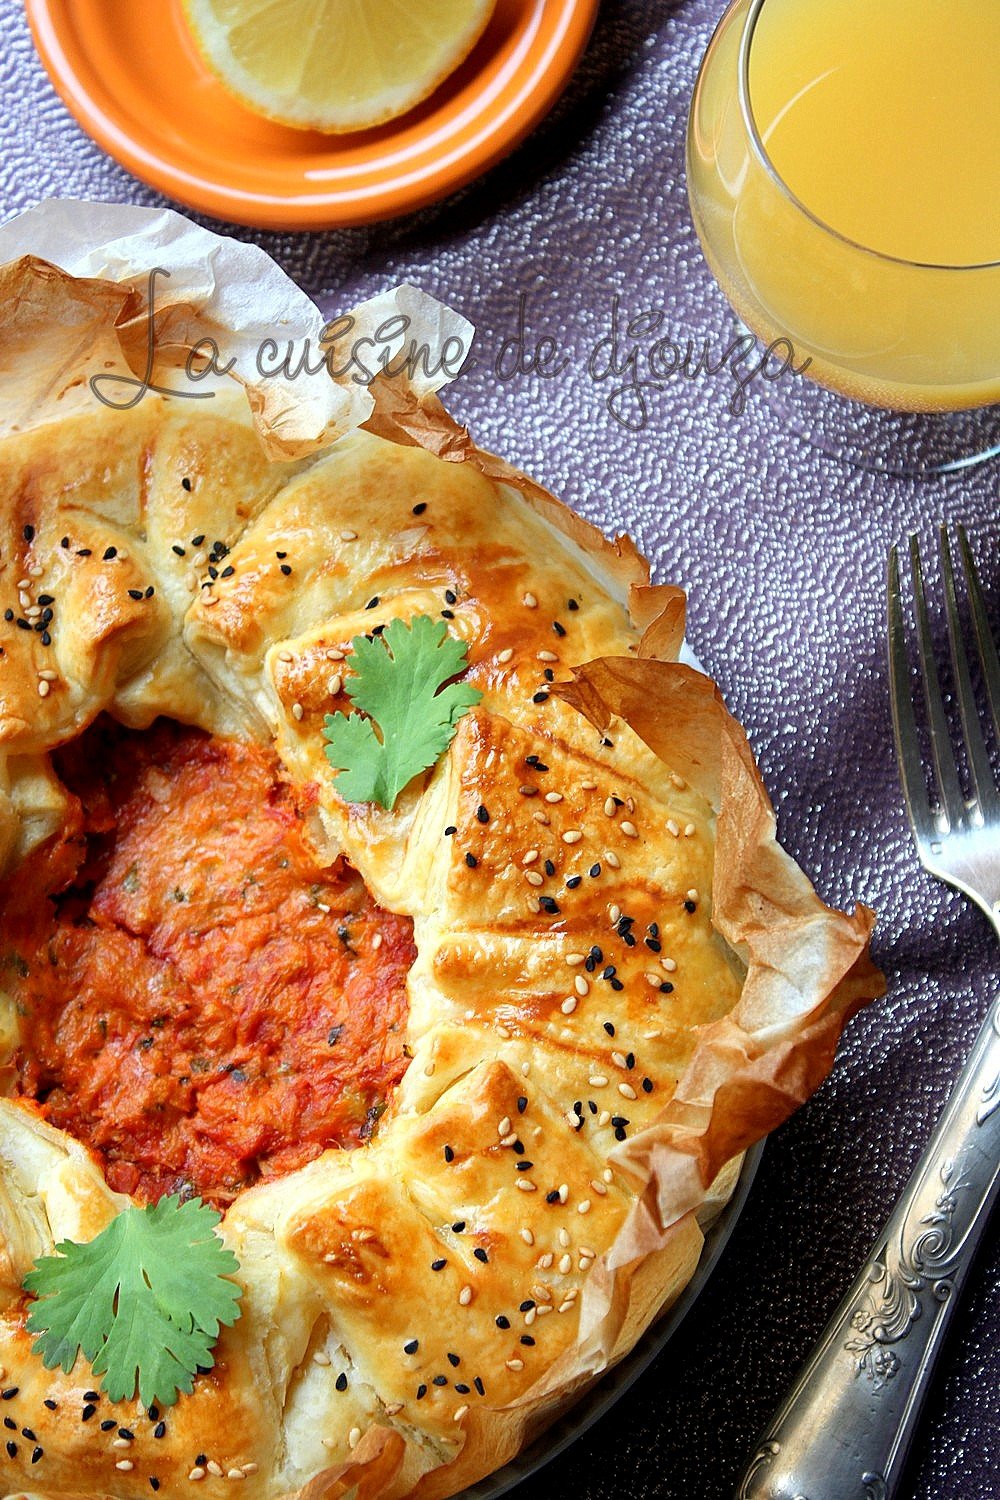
x: 398, y: 682
x: 144, y: 1301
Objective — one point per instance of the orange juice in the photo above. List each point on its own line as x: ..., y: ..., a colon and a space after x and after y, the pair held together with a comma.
x: 844, y: 172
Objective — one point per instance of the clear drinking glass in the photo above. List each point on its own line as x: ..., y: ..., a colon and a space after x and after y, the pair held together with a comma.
x: 905, y: 356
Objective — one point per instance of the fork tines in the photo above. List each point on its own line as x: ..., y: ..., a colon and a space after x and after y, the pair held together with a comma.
x: 955, y: 812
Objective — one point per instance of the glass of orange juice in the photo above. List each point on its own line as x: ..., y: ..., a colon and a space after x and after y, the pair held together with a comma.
x: 844, y: 178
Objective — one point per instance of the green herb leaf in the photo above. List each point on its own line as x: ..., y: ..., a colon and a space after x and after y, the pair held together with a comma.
x: 144, y: 1301
x: 399, y: 682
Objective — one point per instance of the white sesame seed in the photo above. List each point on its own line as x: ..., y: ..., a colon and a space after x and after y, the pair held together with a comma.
x: 534, y: 905
x: 563, y: 1192
x: 692, y: 894
x: 544, y: 1261
x: 678, y: 781
x: 599, y: 1188
x: 629, y: 829
x: 505, y: 655
x: 334, y: 684
x: 120, y: 1442
x: 209, y: 599
x: 610, y: 806
x: 47, y: 675
x: 514, y: 1364
x: 547, y: 656
x: 611, y: 859
x: 33, y: 611
x: 249, y: 1469
x: 530, y: 1316
x: 348, y: 536
x: 630, y: 804
x: 321, y: 1357
x: 566, y: 1306
x: 504, y: 1126
x: 581, y: 985
x: 37, y: 570
x: 604, y: 1117
x: 541, y: 817
x: 564, y: 1239
x: 583, y: 1207
x: 197, y: 1473
x: 124, y: 1464
x: 525, y: 1186
x: 653, y: 980
x: 572, y: 1119
x: 597, y: 1081
x: 530, y: 602
x: 670, y: 964
x: 297, y: 710
x: 586, y: 1253
x: 689, y: 830
x: 236, y: 1474
x: 429, y: 1069
x: 527, y: 1236
x: 575, y: 959
x: 614, y: 915
x: 465, y: 1296
x: 44, y: 688
x: 354, y: 1437
x: 23, y: 583
x: 541, y: 1311
x: 618, y: 1058
x: 393, y: 1408
x: 608, y: 1175
x: 588, y: 786
x: 650, y: 1036
x: 334, y: 655
x: 533, y: 878
x: 553, y: 796
x: 572, y: 836
x: 461, y: 1412
x: 627, y: 1091
x: 285, y: 656
x: 569, y: 1005
x: 529, y: 857
x: 565, y: 1265
x: 503, y: 1032
x: 214, y: 1468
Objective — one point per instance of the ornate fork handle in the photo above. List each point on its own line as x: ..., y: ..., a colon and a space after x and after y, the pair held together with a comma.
x: 844, y: 1430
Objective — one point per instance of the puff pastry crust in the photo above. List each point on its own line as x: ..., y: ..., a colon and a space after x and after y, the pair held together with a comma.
x: 597, y: 1024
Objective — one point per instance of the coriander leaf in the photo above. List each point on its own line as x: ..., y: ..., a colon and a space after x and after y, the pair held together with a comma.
x: 143, y: 1302
x: 399, y: 682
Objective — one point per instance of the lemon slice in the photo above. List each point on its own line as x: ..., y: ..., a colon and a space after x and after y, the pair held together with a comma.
x: 335, y: 65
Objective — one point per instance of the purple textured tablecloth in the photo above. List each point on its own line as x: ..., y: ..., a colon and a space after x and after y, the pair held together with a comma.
x: 782, y: 552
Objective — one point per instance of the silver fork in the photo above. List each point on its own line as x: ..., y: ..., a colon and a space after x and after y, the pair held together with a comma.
x: 844, y: 1431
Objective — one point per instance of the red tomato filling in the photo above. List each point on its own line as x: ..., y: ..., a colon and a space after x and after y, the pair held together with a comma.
x: 201, y: 1004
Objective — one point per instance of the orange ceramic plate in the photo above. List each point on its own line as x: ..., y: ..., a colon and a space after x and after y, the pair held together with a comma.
x: 130, y: 74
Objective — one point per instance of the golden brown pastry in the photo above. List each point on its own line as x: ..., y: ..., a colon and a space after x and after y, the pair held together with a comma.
x: 620, y: 979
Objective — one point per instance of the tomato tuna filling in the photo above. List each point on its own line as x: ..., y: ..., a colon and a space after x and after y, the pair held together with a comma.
x: 201, y: 1004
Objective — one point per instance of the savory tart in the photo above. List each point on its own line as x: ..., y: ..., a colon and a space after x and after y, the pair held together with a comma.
x: 375, y: 876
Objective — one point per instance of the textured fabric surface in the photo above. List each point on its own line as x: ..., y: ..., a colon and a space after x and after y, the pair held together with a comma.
x: 783, y: 554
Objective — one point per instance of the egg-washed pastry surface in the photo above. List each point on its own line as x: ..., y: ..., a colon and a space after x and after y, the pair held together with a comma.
x: 572, y: 974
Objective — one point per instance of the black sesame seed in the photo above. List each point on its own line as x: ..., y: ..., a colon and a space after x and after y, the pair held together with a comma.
x: 458, y: 1226
x: 653, y: 929
x: 109, y: 553
x: 45, y: 638
x: 608, y: 744
x: 654, y: 945
x: 527, y: 1305
x: 23, y: 624
x: 419, y: 509
x: 438, y: 1265
x: 286, y: 570
x: 83, y: 552
x: 186, y: 484
x: 411, y: 1346
x: 123, y: 1432
x: 527, y: 1341
x: 377, y: 631
x: 29, y: 533
x: 647, y: 1085
x: 52, y: 1405
x: 8, y: 615
x: 9, y: 1392
x: 481, y: 1255
x: 64, y: 542
x: 454, y: 1361
x: 201, y: 1460
x: 482, y: 814
x: 154, y: 1483
x: 178, y: 549
x: 618, y: 1121
x: 559, y: 629
x: 341, y: 1382
x: 540, y: 697
x: 628, y: 938
x: 573, y: 882
x: 88, y: 1412
x: 592, y: 1106
x: 590, y: 963
x: 471, y: 861
x: 449, y: 1154
x: 479, y: 1386
x: 573, y: 604
x: 27, y: 1432
x: 630, y: 1060
x: 196, y: 541
x: 549, y: 675
x: 450, y: 830
x: 550, y: 868
x: 46, y: 616
x: 213, y: 573
x: 617, y: 985
x: 552, y: 1197
x: 160, y: 1430
x: 463, y: 1390
x: 523, y: 1166
x: 11, y: 1449
x: 609, y: 1028
x: 36, y: 1454
x: 228, y: 572
x: 108, y: 1425
x: 609, y: 972
x: 620, y: 1133
x: 447, y: 614
x: 450, y: 597
x: 666, y: 988
x: 44, y: 599
x: 440, y: 1380
x: 135, y: 593
x: 373, y: 602
x: 690, y: 906
x: 421, y: 1392
x: 518, y: 1148
x: 594, y: 871
x: 549, y: 905
x: 502, y: 1322
x: 522, y: 1104
x: 10, y: 1424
